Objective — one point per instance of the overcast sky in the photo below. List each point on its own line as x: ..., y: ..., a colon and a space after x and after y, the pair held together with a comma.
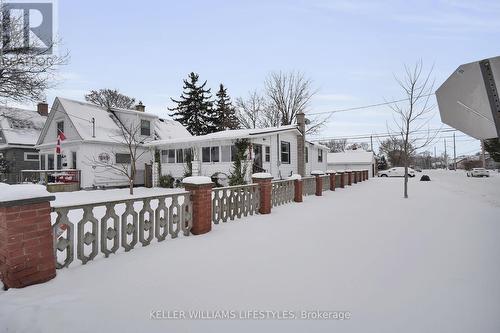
x: 350, y: 49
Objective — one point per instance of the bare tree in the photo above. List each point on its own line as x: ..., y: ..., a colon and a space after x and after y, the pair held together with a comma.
x: 336, y: 145
x: 250, y: 109
x: 413, y: 114
x: 288, y: 94
x: 393, y: 149
x: 132, y: 142
x: 110, y: 98
x: 27, y: 67
x: 358, y: 145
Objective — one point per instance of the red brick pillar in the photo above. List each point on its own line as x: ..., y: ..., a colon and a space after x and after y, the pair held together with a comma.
x: 332, y: 180
x: 26, y: 242
x: 355, y: 176
x: 367, y: 175
x: 298, y: 190
x: 349, y: 178
x: 342, y: 179
x: 265, y: 186
x: 201, y: 199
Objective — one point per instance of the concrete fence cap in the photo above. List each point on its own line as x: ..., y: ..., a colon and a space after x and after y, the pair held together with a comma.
x: 295, y: 176
x: 22, y: 192
x: 197, y: 180
x: 317, y: 172
x: 331, y: 171
x: 262, y: 175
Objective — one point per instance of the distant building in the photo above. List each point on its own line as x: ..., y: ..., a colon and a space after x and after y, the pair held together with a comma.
x: 19, y: 132
x: 358, y: 159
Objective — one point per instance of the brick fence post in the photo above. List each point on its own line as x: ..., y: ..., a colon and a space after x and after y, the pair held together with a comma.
x: 201, y: 199
x: 367, y: 174
x: 349, y: 178
x: 265, y: 188
x: 331, y: 173
x: 342, y: 179
x: 319, y: 182
x: 26, y: 241
x: 355, y: 176
x: 297, y: 183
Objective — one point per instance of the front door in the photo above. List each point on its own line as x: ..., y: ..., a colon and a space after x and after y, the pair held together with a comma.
x: 257, y: 158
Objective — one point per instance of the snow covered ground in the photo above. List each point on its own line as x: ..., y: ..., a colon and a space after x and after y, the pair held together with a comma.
x: 426, y: 264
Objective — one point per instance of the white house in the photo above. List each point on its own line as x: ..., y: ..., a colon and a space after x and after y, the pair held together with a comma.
x: 358, y: 159
x: 274, y: 150
x: 93, y: 140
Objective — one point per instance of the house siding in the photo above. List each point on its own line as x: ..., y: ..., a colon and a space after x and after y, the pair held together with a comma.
x: 15, y: 156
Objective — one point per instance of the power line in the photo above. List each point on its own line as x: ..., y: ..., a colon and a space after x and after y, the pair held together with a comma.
x: 363, y: 107
x: 383, y: 135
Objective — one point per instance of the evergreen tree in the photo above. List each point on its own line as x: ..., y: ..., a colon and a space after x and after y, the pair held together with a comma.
x: 194, y: 108
x: 492, y: 146
x: 225, y: 113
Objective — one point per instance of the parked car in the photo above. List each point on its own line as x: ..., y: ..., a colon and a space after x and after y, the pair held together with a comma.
x: 478, y: 172
x: 396, y: 172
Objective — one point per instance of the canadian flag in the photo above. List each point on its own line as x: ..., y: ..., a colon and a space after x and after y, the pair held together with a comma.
x: 60, y: 137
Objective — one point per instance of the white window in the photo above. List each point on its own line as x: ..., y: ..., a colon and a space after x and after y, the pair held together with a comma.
x: 210, y: 154
x: 268, y: 154
x: 214, y: 154
x: 31, y: 157
x: 179, y: 156
x: 285, y: 152
x: 225, y: 153
x: 145, y: 127
x: 168, y: 156
x: 60, y: 127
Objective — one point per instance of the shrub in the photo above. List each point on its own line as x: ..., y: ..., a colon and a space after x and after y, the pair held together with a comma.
x: 167, y: 181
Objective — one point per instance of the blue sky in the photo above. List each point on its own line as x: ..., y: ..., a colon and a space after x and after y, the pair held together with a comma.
x: 350, y: 49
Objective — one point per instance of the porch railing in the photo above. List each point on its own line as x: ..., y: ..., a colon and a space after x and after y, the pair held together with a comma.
x: 282, y: 192
x: 233, y: 202
x: 107, y: 226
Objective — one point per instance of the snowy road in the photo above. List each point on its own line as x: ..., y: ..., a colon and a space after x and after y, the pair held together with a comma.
x: 426, y: 264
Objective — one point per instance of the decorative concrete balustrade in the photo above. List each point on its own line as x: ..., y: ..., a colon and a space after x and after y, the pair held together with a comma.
x: 123, y: 225
x: 233, y: 202
x: 283, y: 191
x: 309, y: 185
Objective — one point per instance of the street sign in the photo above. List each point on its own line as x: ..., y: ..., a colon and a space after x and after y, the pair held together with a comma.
x: 468, y: 100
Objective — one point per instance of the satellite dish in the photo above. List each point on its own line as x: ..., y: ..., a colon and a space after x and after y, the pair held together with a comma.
x: 468, y: 100
x: 307, y: 121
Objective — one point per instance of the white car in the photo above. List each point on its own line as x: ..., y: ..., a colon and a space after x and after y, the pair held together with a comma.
x: 396, y: 172
x: 478, y: 172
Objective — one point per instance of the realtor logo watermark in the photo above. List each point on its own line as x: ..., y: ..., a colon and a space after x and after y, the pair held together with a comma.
x: 27, y: 28
x: 249, y: 315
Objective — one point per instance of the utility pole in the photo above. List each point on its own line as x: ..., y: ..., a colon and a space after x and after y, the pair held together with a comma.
x: 482, y: 154
x: 445, y: 155
x: 371, y: 142
x: 454, y: 153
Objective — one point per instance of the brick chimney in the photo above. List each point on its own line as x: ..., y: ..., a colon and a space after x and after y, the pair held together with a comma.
x: 140, y: 107
x: 301, y: 142
x: 43, y: 109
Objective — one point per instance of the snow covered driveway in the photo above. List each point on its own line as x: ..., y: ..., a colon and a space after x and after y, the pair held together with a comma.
x: 426, y: 264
